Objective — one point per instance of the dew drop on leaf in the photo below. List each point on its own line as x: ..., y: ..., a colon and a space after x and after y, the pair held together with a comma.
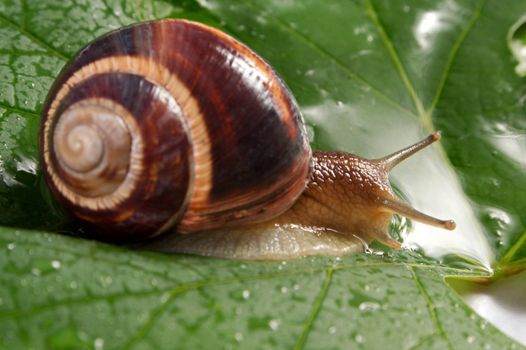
x: 56, y: 264
x: 359, y: 339
x: 274, y: 324
x: 98, y: 344
x: 246, y: 294
x: 369, y: 306
x: 238, y: 336
x: 165, y: 297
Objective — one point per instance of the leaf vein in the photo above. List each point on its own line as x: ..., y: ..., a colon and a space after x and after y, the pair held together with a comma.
x: 153, y: 317
x: 34, y: 38
x: 17, y: 109
x: 373, y: 15
x: 451, y: 57
x: 316, y: 306
x: 515, y: 248
x: 430, y: 307
x: 353, y: 75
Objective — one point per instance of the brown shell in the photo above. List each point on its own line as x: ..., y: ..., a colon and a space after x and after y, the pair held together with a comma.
x: 216, y: 139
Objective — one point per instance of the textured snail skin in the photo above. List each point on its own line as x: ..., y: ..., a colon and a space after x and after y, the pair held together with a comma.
x: 347, y: 203
x: 215, y: 137
x: 340, y: 211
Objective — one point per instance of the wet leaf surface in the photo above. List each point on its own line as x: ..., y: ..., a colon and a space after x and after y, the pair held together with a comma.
x: 370, y: 77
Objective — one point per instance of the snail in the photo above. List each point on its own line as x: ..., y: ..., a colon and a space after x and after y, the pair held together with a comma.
x: 174, y: 133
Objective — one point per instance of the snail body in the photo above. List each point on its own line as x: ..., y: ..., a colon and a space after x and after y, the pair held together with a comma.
x: 173, y: 126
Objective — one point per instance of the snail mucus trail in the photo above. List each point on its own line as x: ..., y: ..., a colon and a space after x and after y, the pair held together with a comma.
x: 174, y: 131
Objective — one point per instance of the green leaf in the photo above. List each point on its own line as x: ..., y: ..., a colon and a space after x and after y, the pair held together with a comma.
x: 370, y: 76
x: 65, y: 293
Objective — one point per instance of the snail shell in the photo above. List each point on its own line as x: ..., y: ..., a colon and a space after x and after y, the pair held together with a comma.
x: 168, y: 124
x: 175, y: 125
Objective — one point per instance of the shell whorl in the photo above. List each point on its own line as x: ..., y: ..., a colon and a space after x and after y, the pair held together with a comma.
x: 93, y: 146
x: 103, y: 155
x: 214, y: 136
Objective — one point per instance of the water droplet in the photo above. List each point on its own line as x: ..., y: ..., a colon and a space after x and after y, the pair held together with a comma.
x: 56, y: 264
x: 471, y: 339
x: 369, y: 306
x: 99, y: 343
x: 296, y: 287
x: 107, y: 280
x: 359, y: 339
x: 246, y: 294
x: 332, y: 330
x: 73, y: 285
x: 310, y: 73
x: 284, y: 289
x: 370, y: 38
x: 238, y: 336
x: 35, y: 271
x: 406, y: 8
x: 261, y: 19
x: 165, y: 297
x: 11, y: 246
x: 274, y: 324
x: 154, y: 282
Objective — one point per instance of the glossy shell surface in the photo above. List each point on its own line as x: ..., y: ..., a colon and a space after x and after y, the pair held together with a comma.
x: 181, y: 126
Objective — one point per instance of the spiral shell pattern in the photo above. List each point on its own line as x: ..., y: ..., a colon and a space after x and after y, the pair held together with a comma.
x: 171, y: 123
